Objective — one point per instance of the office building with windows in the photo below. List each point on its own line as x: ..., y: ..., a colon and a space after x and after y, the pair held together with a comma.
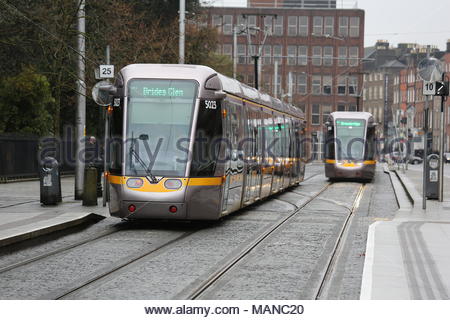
x: 311, y: 57
x: 316, y: 4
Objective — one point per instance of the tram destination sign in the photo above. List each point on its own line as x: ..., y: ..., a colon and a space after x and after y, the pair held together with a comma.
x: 164, y: 89
x: 349, y: 123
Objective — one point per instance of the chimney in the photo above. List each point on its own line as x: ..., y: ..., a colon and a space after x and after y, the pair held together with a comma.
x: 448, y: 45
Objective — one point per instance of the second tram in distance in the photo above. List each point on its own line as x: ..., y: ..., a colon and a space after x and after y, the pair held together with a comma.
x: 350, y: 146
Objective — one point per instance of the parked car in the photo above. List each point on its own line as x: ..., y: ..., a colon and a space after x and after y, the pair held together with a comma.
x: 447, y: 157
x: 415, y: 160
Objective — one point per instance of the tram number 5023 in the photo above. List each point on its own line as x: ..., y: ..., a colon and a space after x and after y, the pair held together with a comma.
x: 106, y: 71
x: 211, y: 104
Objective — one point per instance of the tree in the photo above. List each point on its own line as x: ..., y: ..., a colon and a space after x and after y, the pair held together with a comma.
x: 25, y: 104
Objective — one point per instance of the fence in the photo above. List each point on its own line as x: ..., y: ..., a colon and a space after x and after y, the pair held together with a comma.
x: 20, y: 156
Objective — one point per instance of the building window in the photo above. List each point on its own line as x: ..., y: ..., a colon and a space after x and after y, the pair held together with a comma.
x: 317, y: 56
x: 267, y: 54
x: 343, y: 26
x: 315, y: 114
x: 227, y: 24
x: 352, y: 108
x: 217, y: 22
x: 303, y: 55
x: 277, y: 85
x: 277, y: 53
x: 292, y: 26
x: 342, y: 61
x: 302, y: 83
x: 241, y: 53
x: 241, y: 23
x: 341, y: 107
x: 354, y: 57
x: 268, y: 24
x: 228, y: 50
x: 354, y: 27
x: 329, y: 26
x: 342, y: 85
x: 292, y: 55
x: 251, y: 23
x: 303, y: 26
x: 326, y: 110
x: 353, y: 85
x: 327, y: 85
x: 251, y: 52
x: 328, y: 56
x: 318, y: 26
x: 278, y: 26
x: 316, y: 85
x: 266, y: 80
x: 251, y: 80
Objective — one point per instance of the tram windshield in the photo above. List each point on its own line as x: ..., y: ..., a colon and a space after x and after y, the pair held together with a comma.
x: 350, y: 139
x: 159, y: 119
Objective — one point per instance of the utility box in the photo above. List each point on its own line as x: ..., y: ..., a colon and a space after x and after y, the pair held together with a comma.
x: 50, y: 181
x: 432, y: 176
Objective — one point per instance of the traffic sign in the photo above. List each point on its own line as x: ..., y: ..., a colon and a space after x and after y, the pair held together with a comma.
x: 441, y: 88
x: 106, y: 71
x: 429, y: 88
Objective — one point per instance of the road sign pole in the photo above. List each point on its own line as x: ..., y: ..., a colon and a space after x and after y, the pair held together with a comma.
x: 441, y: 149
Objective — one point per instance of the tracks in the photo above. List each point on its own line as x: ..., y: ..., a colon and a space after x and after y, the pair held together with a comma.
x: 196, y: 291
x: 338, y: 248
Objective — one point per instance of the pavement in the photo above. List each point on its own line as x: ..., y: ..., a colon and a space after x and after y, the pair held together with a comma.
x: 408, y: 257
x: 24, y: 217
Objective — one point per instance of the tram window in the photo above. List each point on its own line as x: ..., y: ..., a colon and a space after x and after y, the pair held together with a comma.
x: 370, y: 143
x: 162, y: 110
x: 116, y: 138
x: 206, y: 146
x: 350, y: 139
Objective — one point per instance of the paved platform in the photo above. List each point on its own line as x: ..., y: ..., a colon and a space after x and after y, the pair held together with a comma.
x: 409, y: 257
x: 22, y: 216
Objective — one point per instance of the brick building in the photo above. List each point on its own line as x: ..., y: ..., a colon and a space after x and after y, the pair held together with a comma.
x: 324, y: 4
x: 319, y: 50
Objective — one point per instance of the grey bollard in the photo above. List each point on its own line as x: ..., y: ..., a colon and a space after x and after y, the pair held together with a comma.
x: 90, y: 186
x: 50, y: 181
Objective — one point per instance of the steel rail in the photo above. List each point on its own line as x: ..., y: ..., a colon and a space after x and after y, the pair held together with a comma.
x: 60, y: 250
x: 339, y: 246
x: 100, y: 274
x: 204, y: 285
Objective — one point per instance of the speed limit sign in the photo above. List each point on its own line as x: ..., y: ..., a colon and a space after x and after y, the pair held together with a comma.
x: 429, y: 88
x: 106, y: 71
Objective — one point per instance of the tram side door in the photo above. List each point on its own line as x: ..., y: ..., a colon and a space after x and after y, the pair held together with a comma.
x: 252, y: 156
x: 234, y: 165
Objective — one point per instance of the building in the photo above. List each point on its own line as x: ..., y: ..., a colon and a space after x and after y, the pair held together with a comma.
x: 393, y: 91
x: 311, y: 57
x: 308, y: 4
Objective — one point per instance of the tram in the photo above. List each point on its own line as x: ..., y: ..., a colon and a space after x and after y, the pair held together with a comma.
x: 350, y: 146
x: 189, y: 143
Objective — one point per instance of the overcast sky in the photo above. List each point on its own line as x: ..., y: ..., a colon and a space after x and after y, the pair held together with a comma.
x: 419, y: 21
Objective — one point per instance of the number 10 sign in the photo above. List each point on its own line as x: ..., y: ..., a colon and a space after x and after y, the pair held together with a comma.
x: 429, y: 88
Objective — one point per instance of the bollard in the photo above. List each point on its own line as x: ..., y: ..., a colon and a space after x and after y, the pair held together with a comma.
x: 50, y: 181
x: 90, y: 186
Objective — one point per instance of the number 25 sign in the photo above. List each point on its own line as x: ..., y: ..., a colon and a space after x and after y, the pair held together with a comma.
x: 106, y: 71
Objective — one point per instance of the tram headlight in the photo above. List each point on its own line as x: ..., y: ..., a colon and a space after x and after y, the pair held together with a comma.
x: 135, y: 183
x: 173, y: 184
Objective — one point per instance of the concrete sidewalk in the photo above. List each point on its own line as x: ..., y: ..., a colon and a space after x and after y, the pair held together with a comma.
x: 23, y: 217
x: 409, y: 257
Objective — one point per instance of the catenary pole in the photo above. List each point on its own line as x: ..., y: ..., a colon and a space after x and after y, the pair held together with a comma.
x: 182, y: 31
x: 80, y: 119
x: 106, y: 146
x: 425, y: 148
